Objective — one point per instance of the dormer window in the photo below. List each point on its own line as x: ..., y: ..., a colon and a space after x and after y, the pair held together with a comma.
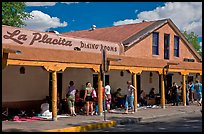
x: 176, y: 46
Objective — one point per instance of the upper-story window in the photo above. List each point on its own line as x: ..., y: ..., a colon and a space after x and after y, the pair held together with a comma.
x: 176, y: 46
x: 155, y: 43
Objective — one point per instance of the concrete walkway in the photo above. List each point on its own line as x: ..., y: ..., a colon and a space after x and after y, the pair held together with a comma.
x: 84, y: 123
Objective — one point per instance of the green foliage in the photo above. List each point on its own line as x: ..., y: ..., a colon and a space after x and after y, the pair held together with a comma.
x: 13, y: 13
x: 193, y: 39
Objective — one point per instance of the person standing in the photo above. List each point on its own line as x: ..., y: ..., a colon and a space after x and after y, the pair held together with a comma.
x: 191, y: 91
x: 108, y: 96
x: 70, y: 94
x: 175, y: 94
x: 198, y: 91
x: 88, y: 98
x: 129, y: 97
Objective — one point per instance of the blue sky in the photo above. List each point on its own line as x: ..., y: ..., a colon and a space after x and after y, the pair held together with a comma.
x: 82, y: 15
x: 73, y: 16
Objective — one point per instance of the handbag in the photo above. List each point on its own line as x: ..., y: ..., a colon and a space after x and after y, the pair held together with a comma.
x: 93, y: 94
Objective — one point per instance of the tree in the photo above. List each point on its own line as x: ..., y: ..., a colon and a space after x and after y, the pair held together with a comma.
x: 193, y: 39
x: 13, y: 14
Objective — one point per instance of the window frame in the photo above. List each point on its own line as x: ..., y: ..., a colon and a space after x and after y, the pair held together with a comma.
x: 155, y: 44
x: 176, y: 46
x: 168, y: 48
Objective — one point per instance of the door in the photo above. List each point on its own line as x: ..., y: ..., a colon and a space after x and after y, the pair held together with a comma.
x: 166, y: 46
x: 95, y: 80
x: 167, y: 82
x: 138, y: 79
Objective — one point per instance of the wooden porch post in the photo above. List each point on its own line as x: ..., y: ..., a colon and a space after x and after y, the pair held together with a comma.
x: 201, y: 78
x: 184, y: 89
x: 4, y: 60
x: 162, y: 92
x: 100, y: 104
x: 135, y: 91
x: 54, y: 96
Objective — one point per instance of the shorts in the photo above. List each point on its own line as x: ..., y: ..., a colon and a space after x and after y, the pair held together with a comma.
x: 198, y: 96
x: 71, y: 100
x: 89, y: 98
x: 108, y: 101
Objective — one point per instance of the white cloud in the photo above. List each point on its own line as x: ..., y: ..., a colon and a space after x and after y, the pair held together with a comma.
x: 43, y: 22
x: 186, y: 15
x: 70, y: 2
x: 40, y: 3
x: 47, y: 3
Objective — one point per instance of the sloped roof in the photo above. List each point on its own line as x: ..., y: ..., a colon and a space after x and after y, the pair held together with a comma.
x: 113, y: 34
x: 130, y: 34
x: 66, y: 56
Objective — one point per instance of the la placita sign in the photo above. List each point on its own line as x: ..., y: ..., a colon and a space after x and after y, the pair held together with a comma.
x: 19, y: 36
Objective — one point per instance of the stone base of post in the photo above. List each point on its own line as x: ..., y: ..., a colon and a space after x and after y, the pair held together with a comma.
x: 100, y: 114
x: 54, y: 119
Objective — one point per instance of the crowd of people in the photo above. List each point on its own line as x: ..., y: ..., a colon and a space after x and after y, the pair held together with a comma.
x: 86, y: 101
x: 193, y: 93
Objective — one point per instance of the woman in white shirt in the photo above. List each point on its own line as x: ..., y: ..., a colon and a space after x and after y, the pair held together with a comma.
x: 108, y: 96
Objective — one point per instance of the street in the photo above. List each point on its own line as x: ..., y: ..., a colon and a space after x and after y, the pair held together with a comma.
x: 179, y: 123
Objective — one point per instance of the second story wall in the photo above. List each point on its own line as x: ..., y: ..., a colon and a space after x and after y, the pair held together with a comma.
x: 144, y: 47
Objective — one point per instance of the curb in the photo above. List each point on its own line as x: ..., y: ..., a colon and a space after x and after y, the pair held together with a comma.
x: 83, y: 128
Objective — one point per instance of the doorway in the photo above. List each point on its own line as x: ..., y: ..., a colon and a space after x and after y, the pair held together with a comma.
x: 138, y: 79
x: 95, y: 80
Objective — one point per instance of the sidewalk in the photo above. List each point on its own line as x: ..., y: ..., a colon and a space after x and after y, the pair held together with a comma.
x: 84, y: 123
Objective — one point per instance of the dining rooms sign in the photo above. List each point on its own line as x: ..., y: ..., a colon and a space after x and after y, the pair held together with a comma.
x: 23, y: 37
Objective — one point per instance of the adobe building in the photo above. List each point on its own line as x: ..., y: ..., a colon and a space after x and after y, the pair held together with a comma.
x: 153, y: 54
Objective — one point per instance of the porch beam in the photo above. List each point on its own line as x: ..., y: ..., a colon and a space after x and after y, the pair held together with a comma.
x: 57, y: 66
x: 96, y: 67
